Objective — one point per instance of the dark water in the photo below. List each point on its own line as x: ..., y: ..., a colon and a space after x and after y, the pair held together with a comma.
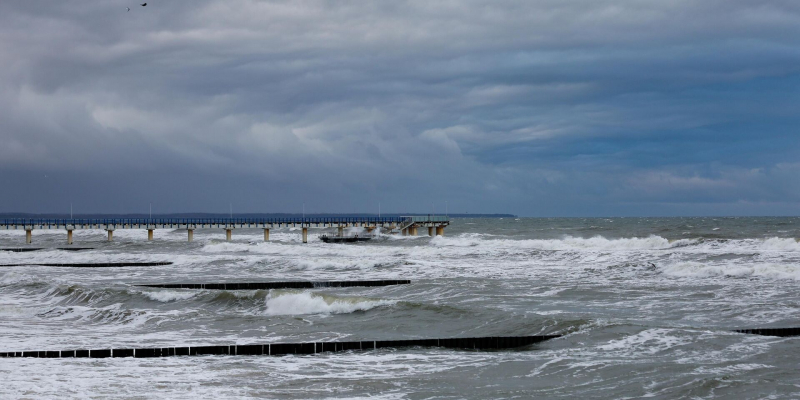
x: 647, y: 306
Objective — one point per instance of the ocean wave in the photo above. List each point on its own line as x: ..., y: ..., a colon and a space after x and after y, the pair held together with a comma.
x: 780, y: 244
x: 649, y: 341
x: 697, y: 269
x: 111, y: 314
x: 298, y: 303
x: 166, y: 296
x: 652, y: 242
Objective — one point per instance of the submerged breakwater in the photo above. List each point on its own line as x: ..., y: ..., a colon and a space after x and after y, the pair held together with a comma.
x: 646, y: 307
x: 278, y: 285
x: 283, y: 349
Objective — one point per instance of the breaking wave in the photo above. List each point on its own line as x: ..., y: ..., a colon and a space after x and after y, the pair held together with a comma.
x: 166, y: 296
x: 697, y: 269
x: 298, y: 303
x: 570, y: 243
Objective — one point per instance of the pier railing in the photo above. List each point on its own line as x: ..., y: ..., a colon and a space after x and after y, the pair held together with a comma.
x: 426, y: 218
x: 198, y: 221
x: 229, y: 224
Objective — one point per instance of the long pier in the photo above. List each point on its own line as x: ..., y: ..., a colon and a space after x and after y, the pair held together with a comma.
x: 406, y: 225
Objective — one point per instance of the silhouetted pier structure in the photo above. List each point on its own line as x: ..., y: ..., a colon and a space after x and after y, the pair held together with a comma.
x: 407, y: 225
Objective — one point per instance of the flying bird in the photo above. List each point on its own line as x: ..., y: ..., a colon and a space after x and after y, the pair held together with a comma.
x: 144, y: 4
x: 128, y: 8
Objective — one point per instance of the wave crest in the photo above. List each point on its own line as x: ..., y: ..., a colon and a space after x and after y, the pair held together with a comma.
x: 652, y: 242
x: 696, y: 269
x: 298, y: 303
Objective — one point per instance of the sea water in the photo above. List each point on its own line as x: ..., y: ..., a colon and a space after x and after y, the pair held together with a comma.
x: 646, y: 306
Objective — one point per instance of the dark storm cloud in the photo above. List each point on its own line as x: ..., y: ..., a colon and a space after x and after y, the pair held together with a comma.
x: 537, y: 108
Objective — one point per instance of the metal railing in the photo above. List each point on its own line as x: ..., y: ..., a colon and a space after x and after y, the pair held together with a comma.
x: 198, y: 221
x: 426, y: 218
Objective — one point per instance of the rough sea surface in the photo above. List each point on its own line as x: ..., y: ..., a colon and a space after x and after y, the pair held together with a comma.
x: 646, y: 305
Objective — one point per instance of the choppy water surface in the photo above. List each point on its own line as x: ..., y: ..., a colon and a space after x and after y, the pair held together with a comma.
x: 646, y: 305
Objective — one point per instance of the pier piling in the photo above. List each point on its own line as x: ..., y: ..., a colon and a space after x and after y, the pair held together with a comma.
x: 407, y: 224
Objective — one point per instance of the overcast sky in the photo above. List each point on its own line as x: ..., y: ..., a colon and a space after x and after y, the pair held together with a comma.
x: 538, y: 108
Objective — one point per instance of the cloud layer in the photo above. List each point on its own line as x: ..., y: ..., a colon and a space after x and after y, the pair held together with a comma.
x: 536, y: 108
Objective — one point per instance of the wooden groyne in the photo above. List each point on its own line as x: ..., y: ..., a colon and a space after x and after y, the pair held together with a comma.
x: 780, y: 332
x: 91, y: 265
x: 281, y: 349
x: 277, y: 285
x: 27, y: 249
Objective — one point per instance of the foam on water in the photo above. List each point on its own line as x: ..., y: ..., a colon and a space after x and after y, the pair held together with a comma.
x: 733, y: 269
x: 305, y: 302
x: 656, y: 300
x: 649, y: 341
x: 568, y: 243
x: 169, y: 295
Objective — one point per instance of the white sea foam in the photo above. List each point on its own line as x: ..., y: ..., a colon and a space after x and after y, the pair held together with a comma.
x: 298, y: 303
x: 166, y: 296
x: 465, y: 284
x: 567, y: 243
x: 730, y: 369
x: 733, y: 269
x: 649, y: 341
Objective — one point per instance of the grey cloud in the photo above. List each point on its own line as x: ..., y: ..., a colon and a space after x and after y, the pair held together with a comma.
x: 537, y: 108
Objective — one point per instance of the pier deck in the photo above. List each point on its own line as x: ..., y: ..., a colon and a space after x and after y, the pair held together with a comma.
x: 406, y: 224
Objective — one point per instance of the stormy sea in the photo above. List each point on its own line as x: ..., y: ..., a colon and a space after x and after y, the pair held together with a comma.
x: 646, y: 307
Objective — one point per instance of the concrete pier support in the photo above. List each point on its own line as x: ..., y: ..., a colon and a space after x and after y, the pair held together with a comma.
x: 69, y: 236
x: 28, y: 236
x: 110, y: 234
x: 266, y: 235
x: 440, y: 230
x: 341, y: 231
x: 190, y: 233
x: 305, y: 235
x: 430, y: 231
x: 228, y: 233
x: 405, y: 232
x: 149, y: 234
x: 370, y: 229
x: 413, y: 231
